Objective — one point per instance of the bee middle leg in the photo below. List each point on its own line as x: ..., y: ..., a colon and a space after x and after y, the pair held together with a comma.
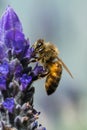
x: 43, y: 75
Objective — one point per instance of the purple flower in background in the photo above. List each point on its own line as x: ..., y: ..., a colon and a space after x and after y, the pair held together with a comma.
x: 9, y: 104
x: 17, y: 76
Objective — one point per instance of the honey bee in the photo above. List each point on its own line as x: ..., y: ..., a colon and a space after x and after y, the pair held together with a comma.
x: 47, y: 55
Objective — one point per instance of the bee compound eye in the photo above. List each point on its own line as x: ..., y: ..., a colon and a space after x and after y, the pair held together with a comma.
x: 39, y: 44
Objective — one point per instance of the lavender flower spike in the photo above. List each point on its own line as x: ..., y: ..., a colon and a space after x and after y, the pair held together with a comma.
x: 16, y: 76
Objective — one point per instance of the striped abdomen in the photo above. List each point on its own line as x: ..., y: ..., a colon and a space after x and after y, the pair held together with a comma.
x: 54, y: 76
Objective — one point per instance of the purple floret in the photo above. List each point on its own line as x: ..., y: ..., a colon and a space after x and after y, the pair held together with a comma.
x: 4, y: 68
x: 9, y: 104
x: 38, y: 70
x: 25, y: 80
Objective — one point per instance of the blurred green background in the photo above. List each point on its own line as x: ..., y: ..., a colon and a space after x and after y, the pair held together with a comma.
x: 63, y: 22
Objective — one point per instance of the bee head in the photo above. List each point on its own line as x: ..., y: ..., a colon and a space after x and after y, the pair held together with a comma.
x: 38, y: 45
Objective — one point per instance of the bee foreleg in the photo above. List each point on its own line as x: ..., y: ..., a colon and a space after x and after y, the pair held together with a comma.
x: 35, y: 59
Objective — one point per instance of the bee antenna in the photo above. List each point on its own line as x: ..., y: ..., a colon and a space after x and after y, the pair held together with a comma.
x: 40, y: 40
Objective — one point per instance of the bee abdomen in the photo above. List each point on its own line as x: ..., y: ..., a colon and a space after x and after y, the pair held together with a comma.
x: 53, y: 78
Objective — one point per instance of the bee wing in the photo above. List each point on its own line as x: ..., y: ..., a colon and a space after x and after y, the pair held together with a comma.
x: 65, y: 67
